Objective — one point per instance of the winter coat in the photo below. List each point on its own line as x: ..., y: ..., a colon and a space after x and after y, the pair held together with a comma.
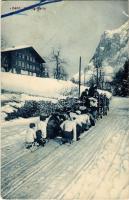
x: 83, y: 95
x: 53, y: 127
x: 42, y: 125
x: 30, y: 135
x: 69, y: 126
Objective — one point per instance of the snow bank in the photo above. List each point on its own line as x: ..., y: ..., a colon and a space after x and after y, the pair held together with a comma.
x: 33, y: 88
x: 44, y: 87
x: 19, y: 121
x: 7, y: 109
x: 25, y: 97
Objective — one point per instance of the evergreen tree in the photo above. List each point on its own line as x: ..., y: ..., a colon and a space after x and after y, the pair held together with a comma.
x: 121, y: 81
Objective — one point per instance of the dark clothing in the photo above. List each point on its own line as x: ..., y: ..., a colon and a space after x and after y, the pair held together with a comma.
x: 42, y: 142
x: 87, y: 102
x: 38, y: 135
x: 68, y: 136
x: 83, y: 95
x: 107, y: 103
x: 85, y: 99
x: 92, y: 91
x: 53, y: 127
x: 79, y: 130
x: 83, y: 127
x: 39, y: 138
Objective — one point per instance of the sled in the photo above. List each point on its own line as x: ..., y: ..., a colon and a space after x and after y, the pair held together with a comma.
x: 32, y: 146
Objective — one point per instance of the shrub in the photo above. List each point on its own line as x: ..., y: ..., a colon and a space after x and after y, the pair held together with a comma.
x: 34, y: 108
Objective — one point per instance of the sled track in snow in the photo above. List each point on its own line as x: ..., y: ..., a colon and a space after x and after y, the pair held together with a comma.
x: 17, y: 184
x: 121, y: 140
x: 51, y: 167
x: 17, y: 181
x: 33, y: 172
x: 86, y: 165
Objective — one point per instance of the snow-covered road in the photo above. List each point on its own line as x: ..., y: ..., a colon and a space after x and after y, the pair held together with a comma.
x: 96, y: 167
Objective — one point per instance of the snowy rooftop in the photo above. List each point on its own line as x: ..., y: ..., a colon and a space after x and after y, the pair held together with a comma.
x: 13, y: 48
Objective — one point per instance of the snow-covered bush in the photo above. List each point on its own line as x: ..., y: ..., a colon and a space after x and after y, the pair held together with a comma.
x: 32, y: 109
x: 12, y: 115
x: 28, y: 110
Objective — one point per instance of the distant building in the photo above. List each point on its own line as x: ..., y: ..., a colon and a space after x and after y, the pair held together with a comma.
x: 23, y: 60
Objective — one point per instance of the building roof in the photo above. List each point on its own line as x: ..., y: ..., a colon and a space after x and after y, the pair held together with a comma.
x: 13, y: 48
x: 23, y: 47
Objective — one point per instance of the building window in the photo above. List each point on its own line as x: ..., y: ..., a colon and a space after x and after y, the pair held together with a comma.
x: 33, y: 67
x: 28, y: 57
x: 19, y: 54
x: 22, y: 64
x: 30, y: 67
x: 19, y: 63
x: 27, y: 65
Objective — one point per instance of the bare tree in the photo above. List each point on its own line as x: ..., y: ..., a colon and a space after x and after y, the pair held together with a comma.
x: 59, y: 71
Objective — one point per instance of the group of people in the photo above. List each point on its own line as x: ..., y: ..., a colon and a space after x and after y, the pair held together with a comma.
x: 68, y: 126
x: 36, y: 133
x: 68, y: 123
x: 97, y: 104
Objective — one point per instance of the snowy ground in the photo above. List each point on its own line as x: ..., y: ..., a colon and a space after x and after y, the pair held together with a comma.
x: 96, y: 167
x: 17, y: 91
x: 42, y: 87
x: 38, y: 87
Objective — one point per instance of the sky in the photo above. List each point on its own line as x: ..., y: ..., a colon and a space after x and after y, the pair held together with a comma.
x: 73, y: 26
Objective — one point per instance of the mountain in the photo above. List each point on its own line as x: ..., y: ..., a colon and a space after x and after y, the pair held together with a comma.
x: 111, y: 52
x: 113, y: 48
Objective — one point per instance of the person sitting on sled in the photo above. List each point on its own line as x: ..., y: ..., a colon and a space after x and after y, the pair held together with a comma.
x: 41, y: 133
x: 30, y: 135
x: 42, y: 125
x: 69, y: 130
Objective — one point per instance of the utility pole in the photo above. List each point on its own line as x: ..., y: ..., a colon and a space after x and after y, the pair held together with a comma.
x: 100, y: 79
x: 57, y: 66
x: 79, y: 76
x: 97, y: 81
x: 84, y: 76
